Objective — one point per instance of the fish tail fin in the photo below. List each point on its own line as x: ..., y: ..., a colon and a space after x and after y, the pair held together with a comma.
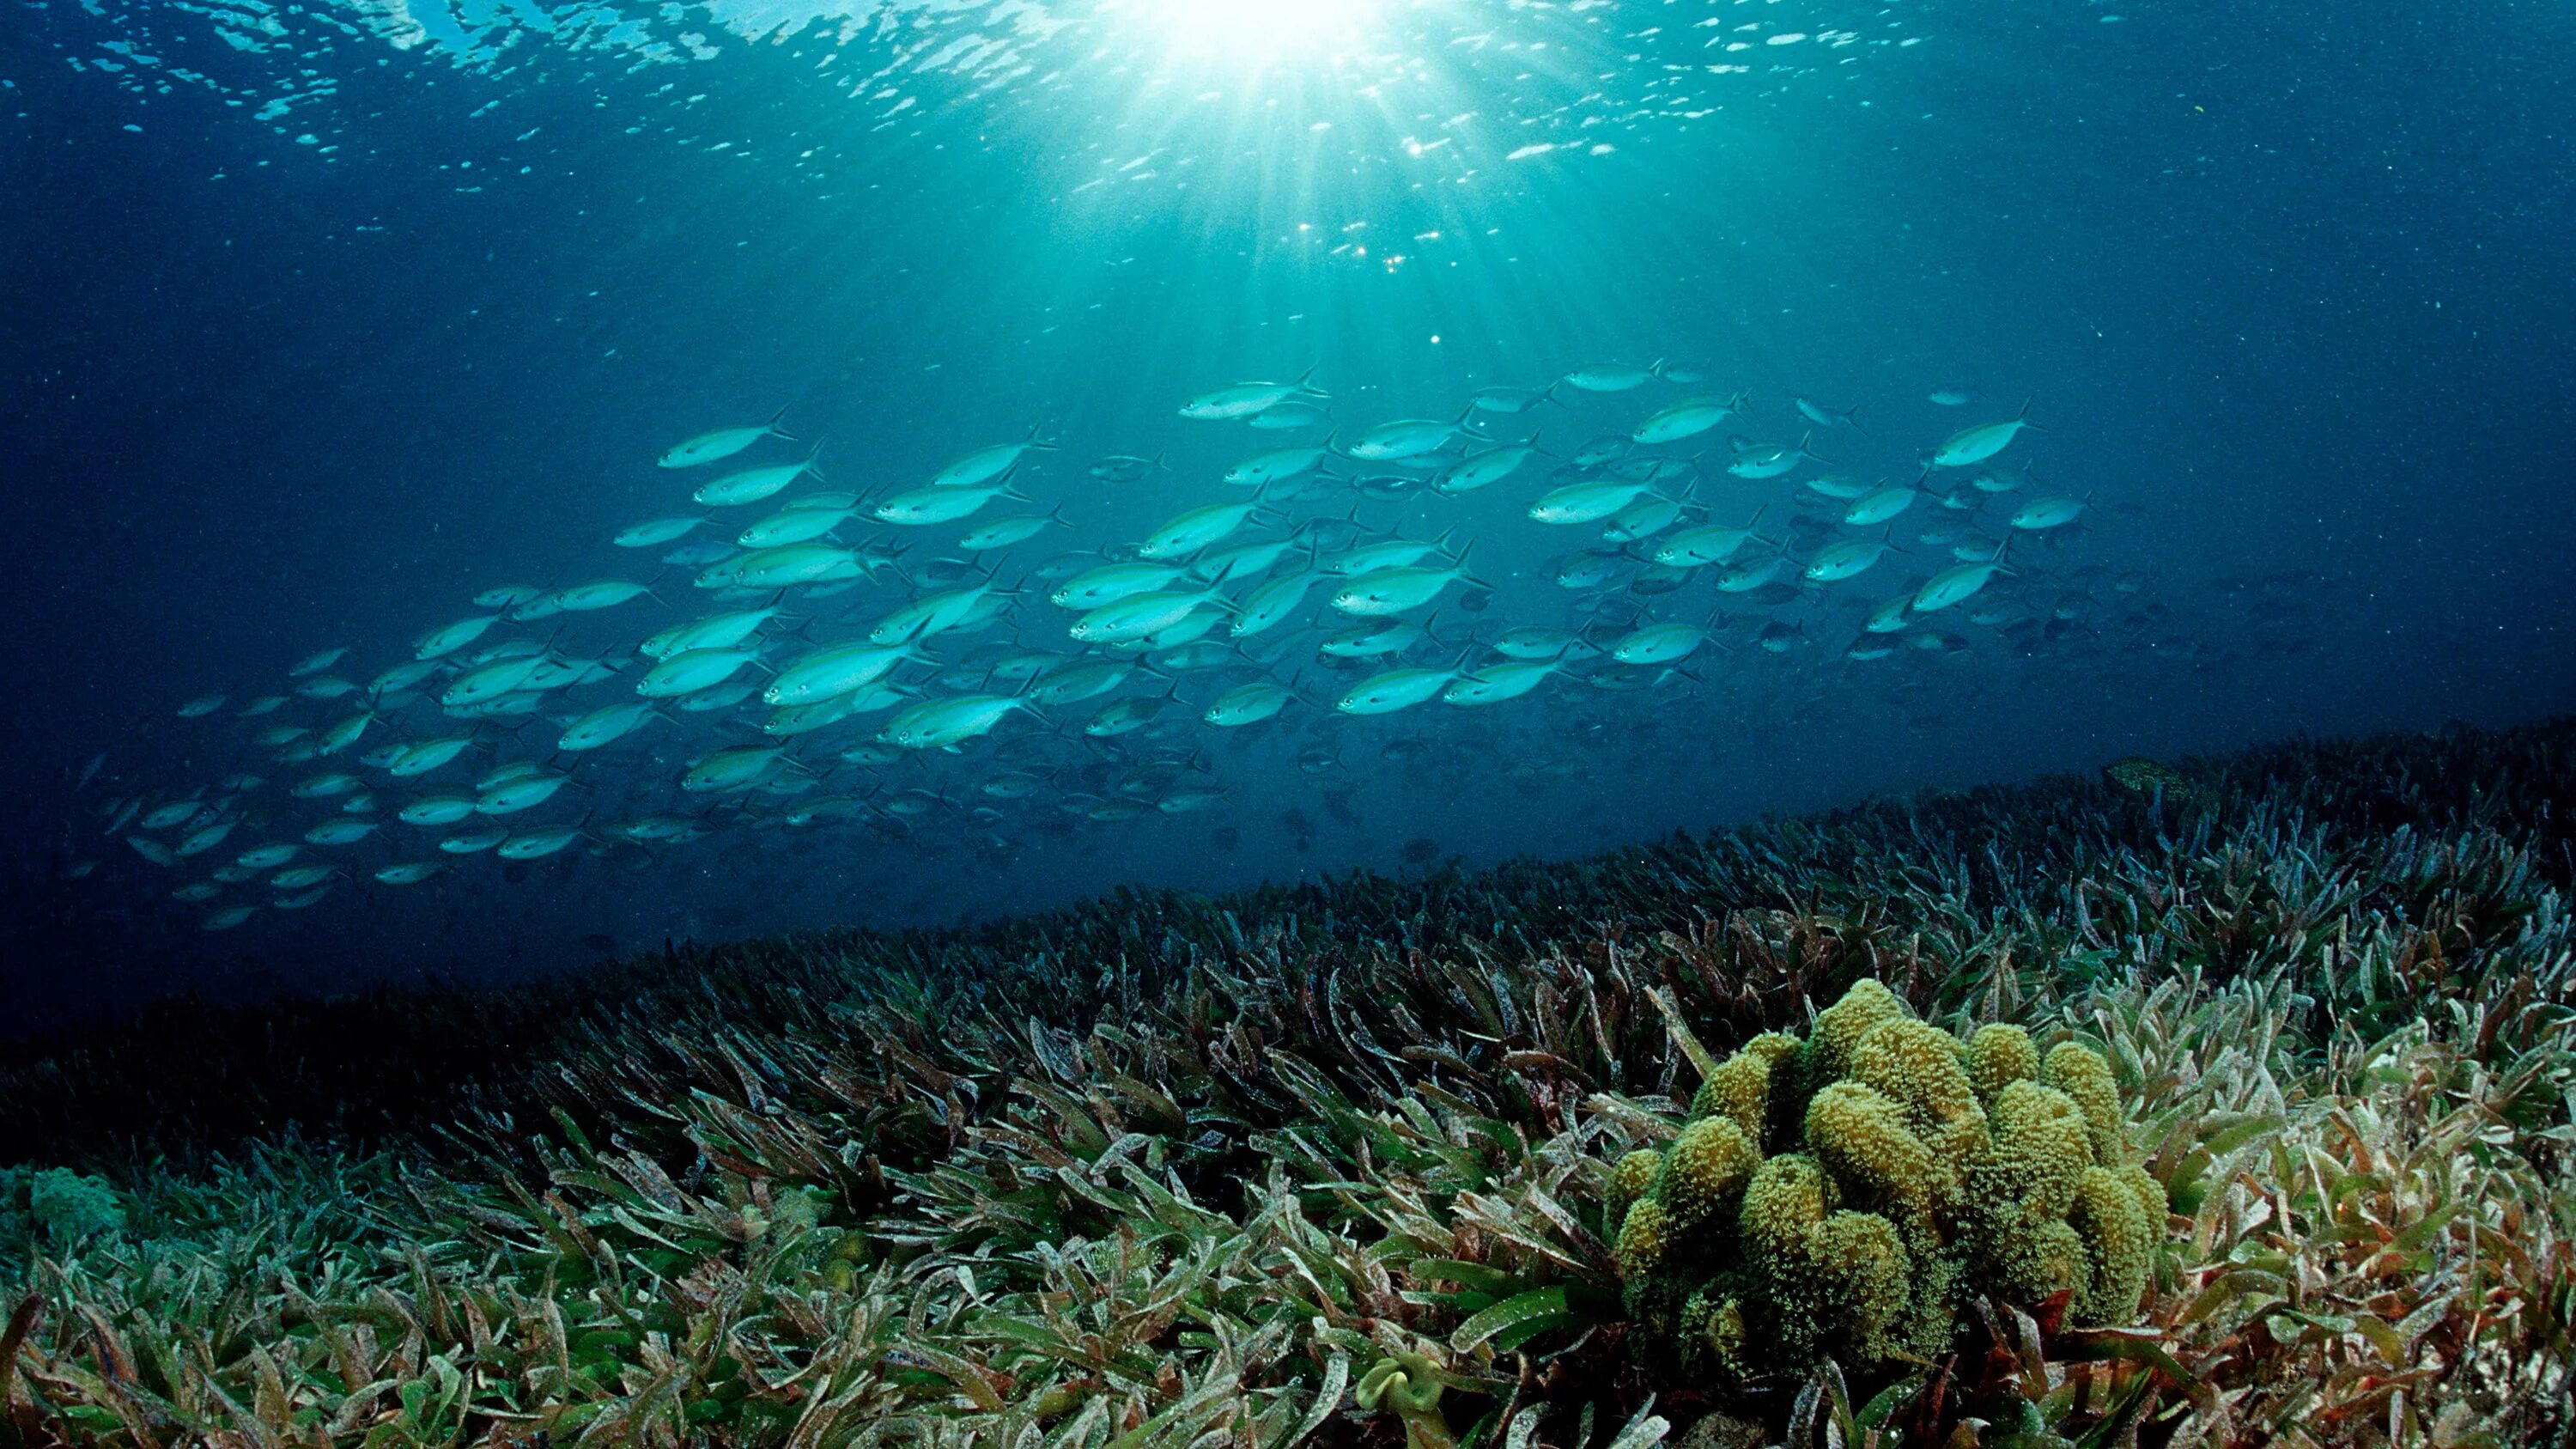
x: 1470, y: 580
x: 1548, y: 393
x: 776, y: 431
x: 1851, y: 415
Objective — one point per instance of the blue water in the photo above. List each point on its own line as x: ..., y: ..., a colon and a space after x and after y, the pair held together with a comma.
x: 315, y: 329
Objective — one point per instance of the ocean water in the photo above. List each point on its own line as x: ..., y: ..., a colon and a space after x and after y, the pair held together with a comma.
x: 324, y: 319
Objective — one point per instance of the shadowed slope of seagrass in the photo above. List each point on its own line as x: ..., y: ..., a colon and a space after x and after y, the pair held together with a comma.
x: 1332, y: 1163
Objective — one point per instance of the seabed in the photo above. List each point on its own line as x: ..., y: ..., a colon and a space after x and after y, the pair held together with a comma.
x: 2228, y: 1103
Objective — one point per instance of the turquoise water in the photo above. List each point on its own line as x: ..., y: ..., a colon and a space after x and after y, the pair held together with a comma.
x: 327, y: 320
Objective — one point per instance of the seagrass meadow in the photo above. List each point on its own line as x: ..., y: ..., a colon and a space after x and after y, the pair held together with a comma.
x: 1572, y: 1155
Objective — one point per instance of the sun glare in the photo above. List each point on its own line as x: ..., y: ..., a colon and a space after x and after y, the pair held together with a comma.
x: 1254, y: 31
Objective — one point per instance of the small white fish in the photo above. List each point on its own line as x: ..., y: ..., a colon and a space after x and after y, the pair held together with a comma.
x: 834, y: 669
x: 1970, y: 446
x: 607, y: 725
x: 1278, y: 466
x: 793, y: 524
x: 1496, y: 683
x: 1610, y: 376
x: 920, y: 507
x: 426, y: 755
x: 1004, y: 532
x: 1878, y: 507
x: 986, y: 464
x: 1392, y: 591
x: 1663, y: 643
x: 692, y: 671
x: 1409, y: 438
x: 938, y: 724
x: 1586, y: 502
x: 435, y: 810
x: 1687, y: 419
x: 656, y: 531
x: 1119, y: 468
x: 2045, y: 513
x: 1109, y: 583
x: 720, y: 444
x: 198, y: 842
x: 1189, y: 532
x: 1512, y: 400
x: 1244, y: 399
x: 1248, y: 704
x: 1825, y: 417
x: 1770, y: 462
x: 1287, y: 416
x: 1395, y: 689
x: 537, y: 844
x: 1952, y: 585
x: 751, y: 485
x: 1536, y: 642
x: 1845, y: 560
x: 1270, y: 603
x: 1478, y: 470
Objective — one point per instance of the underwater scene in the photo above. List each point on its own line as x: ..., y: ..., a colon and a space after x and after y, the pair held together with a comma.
x: 1287, y: 724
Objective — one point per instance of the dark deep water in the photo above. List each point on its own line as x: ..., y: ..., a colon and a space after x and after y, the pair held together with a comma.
x: 2289, y: 285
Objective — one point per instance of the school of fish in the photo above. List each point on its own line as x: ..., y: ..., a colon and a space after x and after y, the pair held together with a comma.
x: 924, y: 655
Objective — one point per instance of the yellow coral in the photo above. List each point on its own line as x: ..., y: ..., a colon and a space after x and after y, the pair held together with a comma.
x: 1707, y: 1166
x: 2081, y: 1074
x: 1788, y: 1195
x: 1723, y: 1334
x: 1740, y: 1088
x: 2041, y: 1146
x: 1862, y: 1278
x: 1915, y: 1172
x: 1630, y: 1177
x: 1840, y: 1027
x: 1643, y: 1240
x: 2118, y: 1240
x: 1998, y: 1056
x: 2034, y: 1261
x: 1916, y: 1065
x: 1861, y: 1138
